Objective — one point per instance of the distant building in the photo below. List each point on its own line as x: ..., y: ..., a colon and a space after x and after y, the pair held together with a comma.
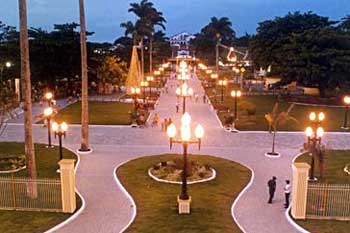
x: 180, y: 44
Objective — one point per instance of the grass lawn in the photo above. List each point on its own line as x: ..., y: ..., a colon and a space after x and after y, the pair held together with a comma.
x: 211, y: 202
x: 264, y: 104
x: 335, y: 162
x: 100, y: 113
x: 46, y: 159
x: 28, y: 221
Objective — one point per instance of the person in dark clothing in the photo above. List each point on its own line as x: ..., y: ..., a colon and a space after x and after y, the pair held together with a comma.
x: 272, y: 188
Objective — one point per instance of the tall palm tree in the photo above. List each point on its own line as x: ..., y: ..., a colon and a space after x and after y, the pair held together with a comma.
x: 130, y: 29
x: 25, y: 76
x: 219, y: 28
x: 156, y: 19
x: 142, y: 10
x: 84, y: 82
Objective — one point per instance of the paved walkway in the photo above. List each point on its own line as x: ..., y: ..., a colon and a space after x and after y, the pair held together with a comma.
x: 109, y: 210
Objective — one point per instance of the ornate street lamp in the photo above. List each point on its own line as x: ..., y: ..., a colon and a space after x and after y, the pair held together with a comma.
x: 346, y: 101
x: 184, y: 92
x: 314, y: 133
x: 48, y: 97
x: 223, y: 84
x: 2, y: 66
x: 144, y: 84
x: 135, y: 92
x: 149, y: 80
x: 48, y: 114
x: 236, y: 94
x: 184, y: 199
x: 60, y: 131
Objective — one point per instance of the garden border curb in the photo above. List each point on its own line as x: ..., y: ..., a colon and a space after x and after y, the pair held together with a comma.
x: 126, y: 193
x: 240, y: 195
x: 212, y: 177
x: 83, y: 204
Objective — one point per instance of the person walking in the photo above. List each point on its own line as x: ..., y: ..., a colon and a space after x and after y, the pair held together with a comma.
x: 287, y: 190
x: 177, y: 107
x: 272, y: 188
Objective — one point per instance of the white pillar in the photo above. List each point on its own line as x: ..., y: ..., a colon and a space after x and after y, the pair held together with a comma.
x: 299, y: 190
x: 68, y: 185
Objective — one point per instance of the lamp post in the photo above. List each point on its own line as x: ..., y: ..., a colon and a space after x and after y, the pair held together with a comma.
x: 314, y: 133
x: 184, y: 199
x: 144, y: 84
x: 48, y: 114
x: 149, y: 80
x: 2, y: 66
x: 222, y: 83
x: 135, y: 92
x: 184, y: 92
x: 242, y: 71
x: 346, y: 101
x: 60, y: 131
x: 48, y: 97
x: 236, y: 94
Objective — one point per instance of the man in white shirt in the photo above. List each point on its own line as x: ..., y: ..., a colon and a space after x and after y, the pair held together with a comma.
x: 287, y: 190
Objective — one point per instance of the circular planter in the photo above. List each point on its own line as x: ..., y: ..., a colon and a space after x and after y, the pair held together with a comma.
x: 273, y: 155
x: 84, y: 152
x: 212, y: 177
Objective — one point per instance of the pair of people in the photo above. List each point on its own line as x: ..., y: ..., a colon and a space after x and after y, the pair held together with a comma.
x: 272, y: 189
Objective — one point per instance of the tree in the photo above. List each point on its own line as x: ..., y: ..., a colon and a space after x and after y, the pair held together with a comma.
x: 25, y: 76
x: 306, y: 48
x: 111, y: 72
x: 84, y: 82
x: 275, y: 119
x: 8, y: 102
x: 218, y: 30
x: 345, y: 24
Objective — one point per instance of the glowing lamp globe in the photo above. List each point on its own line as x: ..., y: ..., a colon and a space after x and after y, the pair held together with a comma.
x: 320, y: 132
x: 186, y: 119
x: 199, y: 132
x: 308, y: 132
x: 48, y: 112
x: 312, y: 116
x: 171, y: 130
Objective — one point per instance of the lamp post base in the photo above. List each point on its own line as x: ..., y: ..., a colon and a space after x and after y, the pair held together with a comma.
x: 344, y: 128
x: 184, y: 205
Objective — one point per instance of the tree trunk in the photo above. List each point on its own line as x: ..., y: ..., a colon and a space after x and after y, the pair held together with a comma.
x: 142, y: 60
x: 273, y: 141
x: 84, y: 82
x: 25, y: 76
x: 151, y: 55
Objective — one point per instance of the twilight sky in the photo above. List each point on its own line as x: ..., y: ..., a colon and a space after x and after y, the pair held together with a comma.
x: 105, y: 16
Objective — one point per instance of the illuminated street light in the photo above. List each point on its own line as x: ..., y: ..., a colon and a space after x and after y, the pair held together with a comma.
x: 314, y: 135
x: 223, y: 84
x: 2, y: 66
x: 184, y: 91
x: 60, y: 131
x: 346, y: 101
x: 48, y: 114
x: 236, y: 94
x: 149, y: 80
x: 184, y: 140
x: 48, y: 97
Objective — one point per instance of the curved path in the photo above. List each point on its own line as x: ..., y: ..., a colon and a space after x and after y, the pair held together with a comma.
x: 109, y: 210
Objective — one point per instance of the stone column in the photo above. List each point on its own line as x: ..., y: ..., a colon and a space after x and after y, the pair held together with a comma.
x: 299, y: 190
x: 68, y: 185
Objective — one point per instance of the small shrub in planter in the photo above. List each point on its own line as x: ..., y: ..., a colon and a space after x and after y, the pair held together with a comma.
x: 156, y: 167
x: 163, y: 164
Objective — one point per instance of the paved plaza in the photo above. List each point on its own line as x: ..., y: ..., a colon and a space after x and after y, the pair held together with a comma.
x: 109, y: 210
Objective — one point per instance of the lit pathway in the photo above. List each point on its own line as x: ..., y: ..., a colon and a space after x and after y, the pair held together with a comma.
x: 108, y: 209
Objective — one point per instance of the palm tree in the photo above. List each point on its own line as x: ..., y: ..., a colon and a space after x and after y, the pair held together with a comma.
x: 84, y: 82
x: 275, y: 119
x: 156, y: 19
x: 219, y: 29
x: 142, y: 10
x: 25, y: 76
x: 130, y: 29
